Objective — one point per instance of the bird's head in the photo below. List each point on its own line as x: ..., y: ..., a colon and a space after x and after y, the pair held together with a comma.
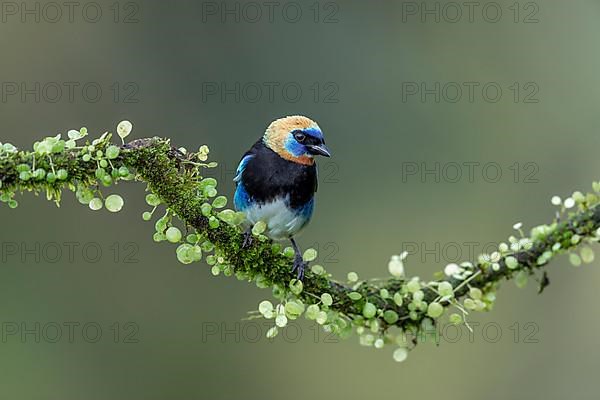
x: 297, y: 139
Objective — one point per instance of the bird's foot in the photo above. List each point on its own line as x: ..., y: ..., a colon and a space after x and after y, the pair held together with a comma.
x: 248, y: 239
x: 299, y: 265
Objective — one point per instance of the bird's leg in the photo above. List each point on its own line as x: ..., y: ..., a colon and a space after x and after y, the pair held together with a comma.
x: 299, y: 263
x: 247, y: 238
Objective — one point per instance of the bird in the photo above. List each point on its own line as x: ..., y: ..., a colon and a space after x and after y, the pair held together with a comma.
x: 276, y: 181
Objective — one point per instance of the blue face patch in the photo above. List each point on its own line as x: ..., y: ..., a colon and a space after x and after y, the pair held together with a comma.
x: 293, y: 147
x: 297, y: 149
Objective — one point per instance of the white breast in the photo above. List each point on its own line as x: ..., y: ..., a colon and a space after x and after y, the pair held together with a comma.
x: 282, y: 222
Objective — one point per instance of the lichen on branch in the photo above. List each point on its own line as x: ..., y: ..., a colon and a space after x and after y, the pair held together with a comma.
x: 398, y: 310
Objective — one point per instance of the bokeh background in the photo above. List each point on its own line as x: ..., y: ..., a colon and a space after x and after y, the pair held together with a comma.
x: 174, y: 331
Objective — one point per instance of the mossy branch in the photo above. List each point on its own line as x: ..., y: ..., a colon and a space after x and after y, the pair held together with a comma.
x: 376, y: 308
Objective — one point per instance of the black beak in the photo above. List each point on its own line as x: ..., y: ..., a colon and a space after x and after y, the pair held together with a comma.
x: 319, y: 150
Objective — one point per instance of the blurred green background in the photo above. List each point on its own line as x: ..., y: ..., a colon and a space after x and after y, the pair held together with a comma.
x: 158, y: 64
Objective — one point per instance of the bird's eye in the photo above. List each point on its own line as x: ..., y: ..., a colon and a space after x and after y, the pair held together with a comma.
x: 299, y: 136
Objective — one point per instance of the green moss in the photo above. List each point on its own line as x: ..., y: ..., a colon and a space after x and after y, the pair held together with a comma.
x: 175, y: 177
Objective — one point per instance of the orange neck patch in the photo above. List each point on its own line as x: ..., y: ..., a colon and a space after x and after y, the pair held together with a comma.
x: 304, y: 160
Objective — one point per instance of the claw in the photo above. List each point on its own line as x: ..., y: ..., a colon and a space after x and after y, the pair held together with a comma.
x: 248, y: 239
x: 299, y: 265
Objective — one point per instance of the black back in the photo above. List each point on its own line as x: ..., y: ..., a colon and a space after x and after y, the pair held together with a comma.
x: 268, y: 176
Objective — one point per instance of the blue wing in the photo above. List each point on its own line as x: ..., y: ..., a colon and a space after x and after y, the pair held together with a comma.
x: 240, y: 169
x: 241, y: 200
